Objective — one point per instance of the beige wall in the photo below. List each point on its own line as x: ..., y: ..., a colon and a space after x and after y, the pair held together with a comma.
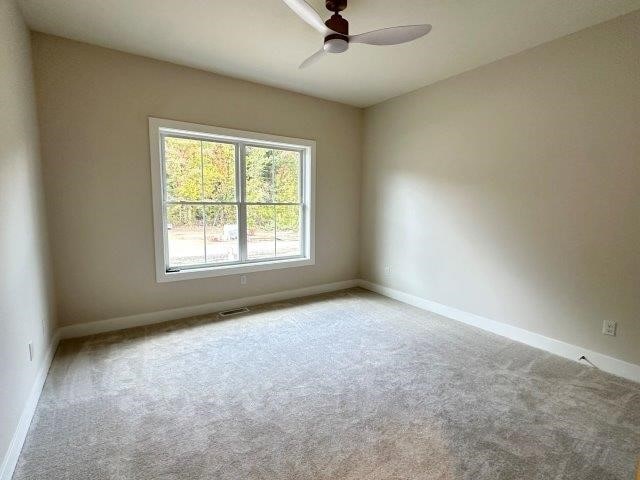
x: 513, y: 191
x: 93, y: 109
x: 25, y: 301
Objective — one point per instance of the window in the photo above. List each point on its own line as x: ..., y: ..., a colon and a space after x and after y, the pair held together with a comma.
x: 229, y: 202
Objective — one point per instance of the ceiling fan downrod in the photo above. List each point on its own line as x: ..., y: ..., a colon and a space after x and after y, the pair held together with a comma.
x: 336, y: 5
x: 336, y: 22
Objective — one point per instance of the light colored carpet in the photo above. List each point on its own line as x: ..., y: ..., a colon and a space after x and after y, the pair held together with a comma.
x: 343, y: 386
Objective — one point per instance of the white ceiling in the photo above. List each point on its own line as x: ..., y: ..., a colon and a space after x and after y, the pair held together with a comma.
x: 264, y: 41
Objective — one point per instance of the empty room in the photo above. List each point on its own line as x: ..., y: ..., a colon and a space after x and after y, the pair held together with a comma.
x: 322, y: 239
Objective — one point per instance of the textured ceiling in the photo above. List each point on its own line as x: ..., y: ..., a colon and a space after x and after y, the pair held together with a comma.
x: 264, y: 41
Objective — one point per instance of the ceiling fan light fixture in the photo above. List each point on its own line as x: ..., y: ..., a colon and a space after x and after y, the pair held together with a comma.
x: 336, y: 45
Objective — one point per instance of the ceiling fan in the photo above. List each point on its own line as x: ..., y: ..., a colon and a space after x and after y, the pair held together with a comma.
x: 336, y: 30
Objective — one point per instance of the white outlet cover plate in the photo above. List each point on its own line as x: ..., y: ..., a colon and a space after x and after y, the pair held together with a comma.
x: 609, y: 327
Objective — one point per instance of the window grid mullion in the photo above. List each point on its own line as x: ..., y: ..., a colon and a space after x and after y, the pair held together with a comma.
x: 204, y: 212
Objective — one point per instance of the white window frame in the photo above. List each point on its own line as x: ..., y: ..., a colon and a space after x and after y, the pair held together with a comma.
x: 158, y: 127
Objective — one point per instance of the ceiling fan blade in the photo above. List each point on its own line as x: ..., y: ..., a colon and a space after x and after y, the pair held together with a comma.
x: 313, y: 58
x: 307, y: 13
x: 392, y: 35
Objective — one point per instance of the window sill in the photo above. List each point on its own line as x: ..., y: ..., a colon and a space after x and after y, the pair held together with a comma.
x: 191, y: 274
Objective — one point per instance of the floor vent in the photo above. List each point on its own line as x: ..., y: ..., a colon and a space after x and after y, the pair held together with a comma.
x: 235, y: 311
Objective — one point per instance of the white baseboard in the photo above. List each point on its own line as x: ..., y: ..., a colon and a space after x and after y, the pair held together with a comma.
x: 112, y: 324
x: 15, y: 447
x: 567, y: 350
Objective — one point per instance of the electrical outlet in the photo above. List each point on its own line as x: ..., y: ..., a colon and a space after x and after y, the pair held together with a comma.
x: 387, y: 269
x: 243, y: 279
x: 609, y: 327
x: 30, y: 345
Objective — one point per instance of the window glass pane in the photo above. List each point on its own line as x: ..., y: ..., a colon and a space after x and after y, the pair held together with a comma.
x: 219, y: 171
x: 222, y: 233
x: 261, y: 231
x: 185, y: 225
x: 183, y: 169
x: 260, y: 167
x: 288, y: 231
x: 272, y: 175
x: 287, y: 176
